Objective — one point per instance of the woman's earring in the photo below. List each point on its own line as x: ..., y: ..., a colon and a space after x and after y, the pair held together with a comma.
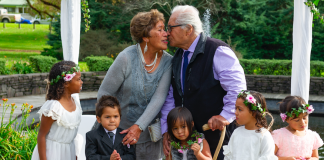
x: 145, y: 49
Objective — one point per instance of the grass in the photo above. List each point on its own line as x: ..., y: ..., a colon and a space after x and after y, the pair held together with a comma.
x: 25, y: 38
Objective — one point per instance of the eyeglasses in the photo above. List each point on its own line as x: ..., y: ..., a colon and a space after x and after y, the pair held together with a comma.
x: 169, y: 28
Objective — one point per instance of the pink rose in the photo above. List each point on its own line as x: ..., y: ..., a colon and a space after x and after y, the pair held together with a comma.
x: 250, y: 99
x: 68, y: 77
x: 283, y: 116
x: 302, y: 158
x: 310, y: 109
x: 180, y: 151
x: 199, y: 140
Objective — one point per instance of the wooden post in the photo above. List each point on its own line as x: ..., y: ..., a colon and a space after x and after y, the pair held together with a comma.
x: 34, y: 26
x: 19, y: 25
x: 4, y: 25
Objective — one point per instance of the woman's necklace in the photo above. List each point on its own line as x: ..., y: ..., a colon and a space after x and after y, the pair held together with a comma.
x: 143, y: 60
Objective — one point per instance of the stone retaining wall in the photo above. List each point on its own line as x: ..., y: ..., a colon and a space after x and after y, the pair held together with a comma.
x: 281, y: 84
x: 33, y: 84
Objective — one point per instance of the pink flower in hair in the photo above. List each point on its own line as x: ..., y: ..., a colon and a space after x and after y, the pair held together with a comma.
x: 283, y: 116
x: 180, y: 151
x: 199, y: 140
x: 68, y: 77
x: 310, y: 109
x: 250, y: 99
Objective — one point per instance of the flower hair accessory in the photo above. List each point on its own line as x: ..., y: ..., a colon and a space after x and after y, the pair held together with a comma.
x: 305, y: 108
x: 249, y: 99
x: 67, y: 76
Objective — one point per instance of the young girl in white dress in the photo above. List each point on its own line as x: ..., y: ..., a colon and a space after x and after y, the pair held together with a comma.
x: 60, y: 115
x: 252, y: 140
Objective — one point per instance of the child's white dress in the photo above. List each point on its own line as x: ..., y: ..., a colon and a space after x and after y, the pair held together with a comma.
x: 60, y: 138
x: 249, y: 145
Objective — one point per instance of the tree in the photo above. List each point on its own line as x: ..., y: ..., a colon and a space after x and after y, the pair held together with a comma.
x: 45, y: 8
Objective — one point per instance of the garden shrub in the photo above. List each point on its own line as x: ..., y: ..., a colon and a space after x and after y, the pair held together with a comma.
x: 2, y: 66
x: 105, y: 44
x: 42, y: 63
x: 22, y: 68
x: 98, y: 63
x: 278, y: 67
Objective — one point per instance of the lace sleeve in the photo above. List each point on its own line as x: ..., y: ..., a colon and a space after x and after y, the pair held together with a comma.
x: 51, y: 109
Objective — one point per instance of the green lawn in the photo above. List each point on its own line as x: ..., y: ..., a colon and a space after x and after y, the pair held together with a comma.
x: 25, y: 38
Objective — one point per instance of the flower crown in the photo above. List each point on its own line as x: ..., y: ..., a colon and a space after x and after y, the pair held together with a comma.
x: 305, y: 108
x: 250, y: 99
x: 67, y: 76
x: 190, y: 142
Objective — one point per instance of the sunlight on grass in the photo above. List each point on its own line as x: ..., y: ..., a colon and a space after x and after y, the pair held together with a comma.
x: 84, y: 67
x: 25, y: 38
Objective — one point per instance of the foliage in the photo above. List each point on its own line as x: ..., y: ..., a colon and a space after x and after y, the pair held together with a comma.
x: 44, y: 8
x: 17, y: 139
x: 2, y: 65
x: 55, y: 42
x: 261, y: 29
x: 99, y: 63
x: 86, y: 14
x: 277, y: 67
x: 312, y: 4
x: 25, y: 38
x: 42, y: 63
x: 104, y: 45
x: 22, y: 68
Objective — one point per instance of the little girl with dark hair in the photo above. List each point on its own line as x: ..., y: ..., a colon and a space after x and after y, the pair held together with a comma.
x: 296, y: 141
x: 252, y: 140
x: 186, y: 142
x: 60, y: 115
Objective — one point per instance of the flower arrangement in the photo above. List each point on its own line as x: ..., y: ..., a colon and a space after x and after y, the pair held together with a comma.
x: 305, y: 108
x: 249, y: 99
x: 190, y: 142
x: 67, y: 76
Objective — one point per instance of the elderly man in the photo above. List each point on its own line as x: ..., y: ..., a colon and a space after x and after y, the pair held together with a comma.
x: 206, y: 78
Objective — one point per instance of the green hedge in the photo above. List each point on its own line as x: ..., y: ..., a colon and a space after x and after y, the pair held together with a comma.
x: 278, y: 67
x: 2, y: 65
x: 42, y: 63
x: 98, y: 63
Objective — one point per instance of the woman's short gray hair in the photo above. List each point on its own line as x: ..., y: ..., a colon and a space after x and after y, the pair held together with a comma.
x: 188, y: 15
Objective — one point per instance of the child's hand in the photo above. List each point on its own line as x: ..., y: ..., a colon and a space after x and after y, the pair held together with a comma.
x: 115, y: 156
x: 196, y: 148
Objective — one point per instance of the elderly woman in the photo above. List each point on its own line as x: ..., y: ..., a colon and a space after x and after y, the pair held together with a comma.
x: 140, y: 78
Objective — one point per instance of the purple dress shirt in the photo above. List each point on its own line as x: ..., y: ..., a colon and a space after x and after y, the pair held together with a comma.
x: 226, y: 69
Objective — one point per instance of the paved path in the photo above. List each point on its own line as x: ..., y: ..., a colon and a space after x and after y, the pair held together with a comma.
x: 35, y: 100
x: 38, y: 100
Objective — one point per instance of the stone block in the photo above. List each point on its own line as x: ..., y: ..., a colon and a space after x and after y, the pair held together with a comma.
x: 36, y: 90
x: 18, y: 94
x: 275, y: 89
x: 4, y: 87
x: 11, y: 92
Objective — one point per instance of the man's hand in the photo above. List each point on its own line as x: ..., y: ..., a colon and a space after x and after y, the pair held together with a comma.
x: 217, y: 122
x: 166, y: 144
x: 115, y: 156
x: 196, y: 148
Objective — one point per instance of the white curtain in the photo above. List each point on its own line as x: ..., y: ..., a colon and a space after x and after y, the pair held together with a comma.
x: 302, y: 44
x: 70, y: 29
x: 70, y: 35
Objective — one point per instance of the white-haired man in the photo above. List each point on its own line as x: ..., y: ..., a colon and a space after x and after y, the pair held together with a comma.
x: 206, y: 78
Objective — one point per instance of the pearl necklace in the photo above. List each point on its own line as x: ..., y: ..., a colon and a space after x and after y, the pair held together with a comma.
x: 143, y: 60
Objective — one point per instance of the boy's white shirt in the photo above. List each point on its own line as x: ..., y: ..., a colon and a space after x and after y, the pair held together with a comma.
x: 114, y: 131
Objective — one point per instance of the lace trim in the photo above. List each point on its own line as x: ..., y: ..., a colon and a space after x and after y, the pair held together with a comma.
x: 57, y: 117
x: 227, y: 152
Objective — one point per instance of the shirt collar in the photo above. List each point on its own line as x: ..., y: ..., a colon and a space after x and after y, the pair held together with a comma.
x: 193, y: 45
x: 114, y: 131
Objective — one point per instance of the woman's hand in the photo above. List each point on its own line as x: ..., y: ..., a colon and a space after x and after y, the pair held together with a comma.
x: 133, y: 134
x: 196, y: 148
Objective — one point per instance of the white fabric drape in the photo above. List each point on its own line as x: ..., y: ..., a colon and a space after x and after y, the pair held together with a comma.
x: 70, y: 29
x: 70, y: 35
x: 302, y: 44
